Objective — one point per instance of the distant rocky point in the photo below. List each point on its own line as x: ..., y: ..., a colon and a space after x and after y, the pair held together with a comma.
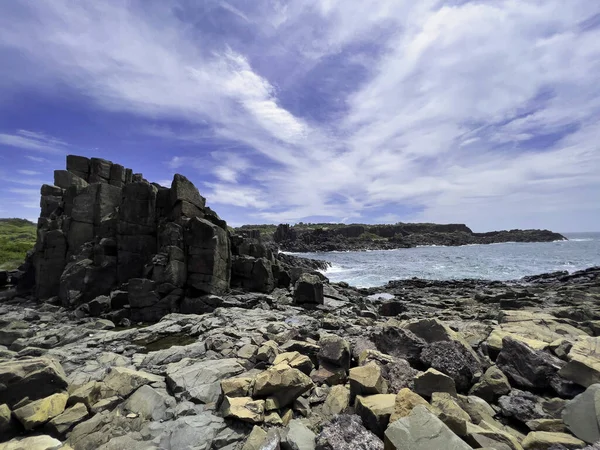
x: 341, y: 237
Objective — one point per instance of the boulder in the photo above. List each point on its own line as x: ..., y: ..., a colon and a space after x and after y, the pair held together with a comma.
x: 583, y: 367
x: 526, y: 367
x: 453, y: 359
x: 33, y: 378
x: 544, y: 440
x: 38, y: 412
x: 64, y: 179
x: 522, y: 406
x: 582, y: 415
x: 200, y: 380
x: 405, y: 402
x: 346, y: 432
x: 337, y: 401
x: 281, y: 382
x: 237, y: 387
x: 41, y: 442
x: 296, y: 361
x: 375, y: 411
x: 448, y: 411
x: 434, y: 381
x: 492, y: 385
x: 421, y: 430
x: 367, y: 380
x: 150, y: 404
x: 399, y: 343
x: 62, y: 423
x: 88, y: 394
x: 244, y: 408
x: 308, y: 290
x: 299, y: 436
x: 334, y: 350
x: 256, y: 439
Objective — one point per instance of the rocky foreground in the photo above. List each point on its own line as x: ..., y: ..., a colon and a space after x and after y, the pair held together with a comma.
x: 141, y: 321
x: 339, y: 237
x: 412, y: 365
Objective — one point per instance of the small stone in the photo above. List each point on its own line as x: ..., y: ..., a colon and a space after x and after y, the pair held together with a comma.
x: 69, y: 418
x: 132, y: 415
x: 434, y: 381
x: 267, y: 352
x: 334, y: 350
x: 124, y: 381
x: 553, y: 425
x: 247, y: 351
x: 282, y: 382
x: 273, y: 418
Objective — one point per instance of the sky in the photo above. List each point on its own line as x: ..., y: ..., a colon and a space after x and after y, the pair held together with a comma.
x: 478, y: 112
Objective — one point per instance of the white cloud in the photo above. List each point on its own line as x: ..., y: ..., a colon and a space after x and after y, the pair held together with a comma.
x: 28, y: 172
x: 452, y: 116
x: 30, y: 140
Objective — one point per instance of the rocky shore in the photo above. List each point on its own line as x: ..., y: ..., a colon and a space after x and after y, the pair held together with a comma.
x: 338, y: 237
x: 166, y: 330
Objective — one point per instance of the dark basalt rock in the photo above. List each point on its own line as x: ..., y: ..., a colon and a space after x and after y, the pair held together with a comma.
x: 340, y: 237
x: 347, y: 432
x: 451, y: 358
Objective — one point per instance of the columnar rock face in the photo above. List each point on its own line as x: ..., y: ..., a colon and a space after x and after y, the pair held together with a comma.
x: 105, y: 231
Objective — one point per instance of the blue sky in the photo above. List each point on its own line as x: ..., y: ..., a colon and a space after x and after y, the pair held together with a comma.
x: 478, y: 112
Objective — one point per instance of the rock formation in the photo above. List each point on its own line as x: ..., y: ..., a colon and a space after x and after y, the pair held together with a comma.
x: 105, y: 231
x: 339, y: 237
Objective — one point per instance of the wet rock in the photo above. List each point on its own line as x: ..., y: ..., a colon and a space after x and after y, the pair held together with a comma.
x: 346, y: 432
x: 33, y: 378
x: 582, y: 415
x: 492, y: 385
x: 244, y: 408
x: 434, y: 381
x: 375, y: 411
x: 40, y: 411
x: 200, y: 381
x: 543, y: 440
x: 367, y: 380
x: 421, y: 430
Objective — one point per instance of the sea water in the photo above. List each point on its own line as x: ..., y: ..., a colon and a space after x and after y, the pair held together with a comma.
x: 507, y: 261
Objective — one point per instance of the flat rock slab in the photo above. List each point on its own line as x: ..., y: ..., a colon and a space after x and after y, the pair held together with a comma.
x: 201, y: 380
x: 582, y: 415
x: 421, y: 430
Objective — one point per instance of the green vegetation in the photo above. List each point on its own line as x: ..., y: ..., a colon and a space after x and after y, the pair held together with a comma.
x: 17, y: 237
x: 367, y: 236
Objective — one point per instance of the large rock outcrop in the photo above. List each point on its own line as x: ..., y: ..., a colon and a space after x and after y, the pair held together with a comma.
x: 105, y: 229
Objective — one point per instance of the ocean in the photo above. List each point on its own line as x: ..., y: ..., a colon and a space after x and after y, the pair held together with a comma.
x: 507, y: 261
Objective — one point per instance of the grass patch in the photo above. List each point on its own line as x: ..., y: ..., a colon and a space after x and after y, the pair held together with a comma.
x: 17, y: 237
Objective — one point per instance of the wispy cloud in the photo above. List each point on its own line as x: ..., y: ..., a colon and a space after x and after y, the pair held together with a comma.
x: 28, y: 172
x: 30, y: 140
x: 484, y: 112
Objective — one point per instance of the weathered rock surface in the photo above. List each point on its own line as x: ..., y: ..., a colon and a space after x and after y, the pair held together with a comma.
x: 346, y: 432
x: 421, y: 430
x: 582, y: 415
